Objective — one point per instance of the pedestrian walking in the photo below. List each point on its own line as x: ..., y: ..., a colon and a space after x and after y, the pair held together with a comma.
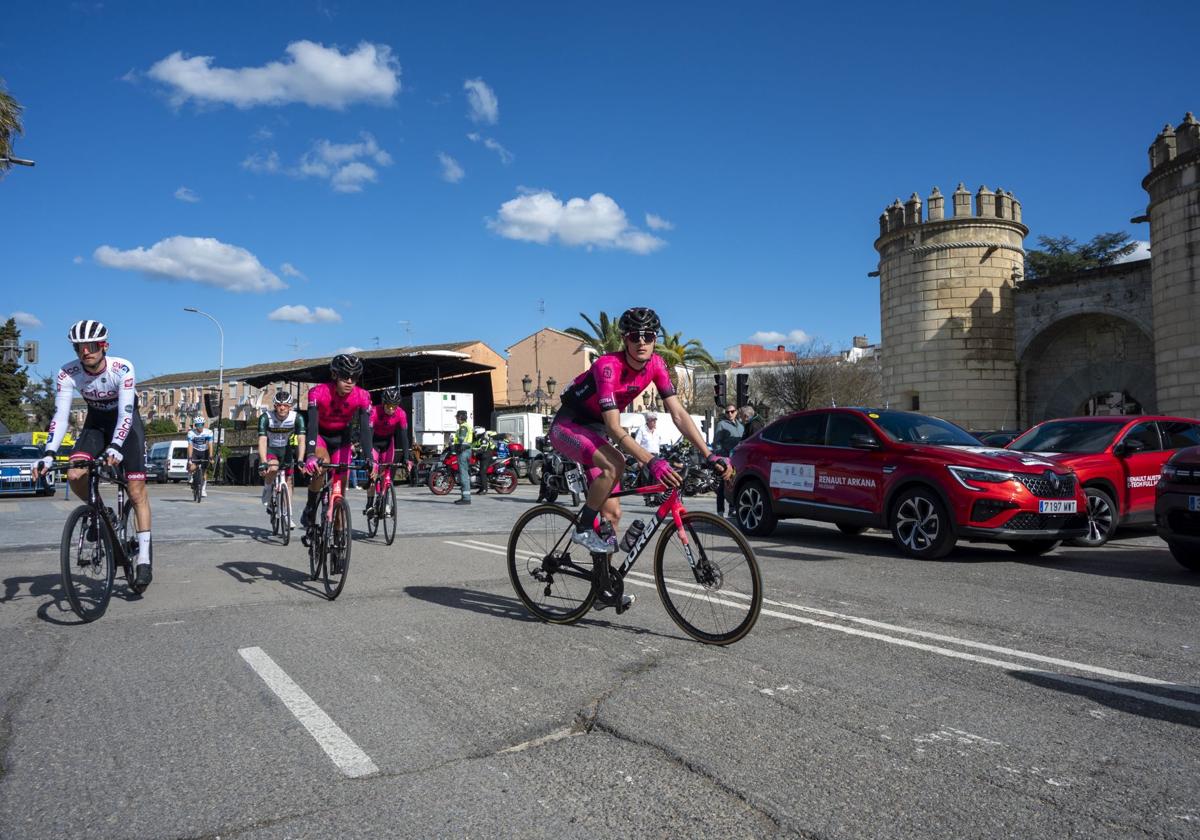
x: 727, y: 434
x: 462, y: 441
x: 751, y: 423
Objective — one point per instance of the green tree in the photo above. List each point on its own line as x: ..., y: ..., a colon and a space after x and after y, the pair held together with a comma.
x: 604, y: 337
x: 161, y: 426
x: 1063, y: 255
x: 690, y: 354
x: 13, y: 380
x: 10, y: 125
x: 39, y: 399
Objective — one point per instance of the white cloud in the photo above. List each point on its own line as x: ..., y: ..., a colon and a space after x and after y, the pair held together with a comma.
x: 312, y: 74
x: 775, y: 338
x: 24, y: 319
x: 262, y: 135
x: 481, y: 99
x: 300, y: 314
x: 185, y: 194
x: 451, y: 171
x: 655, y: 222
x: 506, y: 157
x: 199, y: 259
x: 259, y: 162
x: 597, y: 221
x: 1142, y: 252
x: 289, y: 270
x: 77, y: 260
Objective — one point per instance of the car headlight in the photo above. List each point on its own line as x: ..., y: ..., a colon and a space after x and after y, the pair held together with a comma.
x: 964, y: 475
x: 1170, y: 471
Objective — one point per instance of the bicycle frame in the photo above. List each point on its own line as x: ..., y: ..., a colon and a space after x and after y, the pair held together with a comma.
x: 109, y: 517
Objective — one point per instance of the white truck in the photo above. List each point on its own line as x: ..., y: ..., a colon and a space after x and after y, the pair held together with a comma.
x: 524, y: 428
x: 433, y: 415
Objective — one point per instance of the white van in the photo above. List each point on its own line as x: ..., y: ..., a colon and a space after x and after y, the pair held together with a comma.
x: 172, y: 454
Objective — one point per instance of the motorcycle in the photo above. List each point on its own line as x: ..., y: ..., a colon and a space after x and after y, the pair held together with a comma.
x: 557, y: 475
x: 501, y: 476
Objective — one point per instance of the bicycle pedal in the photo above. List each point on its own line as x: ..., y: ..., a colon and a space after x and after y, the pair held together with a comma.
x: 304, y: 541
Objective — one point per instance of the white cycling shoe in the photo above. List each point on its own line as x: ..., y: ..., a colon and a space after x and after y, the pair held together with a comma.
x: 595, y: 543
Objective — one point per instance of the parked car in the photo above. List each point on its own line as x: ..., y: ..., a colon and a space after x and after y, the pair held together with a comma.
x: 1119, y: 461
x: 1177, y: 507
x: 926, y: 480
x: 16, y: 470
x: 997, y: 437
x: 172, y: 455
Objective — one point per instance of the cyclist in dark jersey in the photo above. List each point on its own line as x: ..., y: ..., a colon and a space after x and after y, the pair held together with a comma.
x: 389, y: 431
x: 332, y: 407
x: 590, y: 418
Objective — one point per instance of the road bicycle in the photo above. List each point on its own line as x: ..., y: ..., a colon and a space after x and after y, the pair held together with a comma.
x: 328, y: 538
x: 704, y: 570
x: 95, y: 540
x: 382, y: 507
x: 198, y: 477
x: 279, y: 504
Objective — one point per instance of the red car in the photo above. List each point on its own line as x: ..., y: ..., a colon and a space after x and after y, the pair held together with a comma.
x: 926, y: 480
x: 1119, y: 461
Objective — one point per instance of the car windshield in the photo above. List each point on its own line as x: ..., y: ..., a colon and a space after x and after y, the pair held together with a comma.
x: 9, y: 450
x: 1080, y: 436
x: 907, y: 427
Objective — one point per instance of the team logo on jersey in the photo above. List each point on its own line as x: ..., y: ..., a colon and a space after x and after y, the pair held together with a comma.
x: 129, y: 382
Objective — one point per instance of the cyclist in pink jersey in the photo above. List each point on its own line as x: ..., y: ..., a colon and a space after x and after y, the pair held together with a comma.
x: 590, y: 419
x: 332, y: 407
x: 389, y: 429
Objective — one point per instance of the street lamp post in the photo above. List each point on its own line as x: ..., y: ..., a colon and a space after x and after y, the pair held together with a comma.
x: 220, y: 390
x: 539, y: 396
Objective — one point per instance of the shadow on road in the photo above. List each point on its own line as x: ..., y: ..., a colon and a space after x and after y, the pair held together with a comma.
x: 20, y: 587
x: 1096, y: 692
x: 255, y: 533
x: 500, y: 606
x: 251, y: 572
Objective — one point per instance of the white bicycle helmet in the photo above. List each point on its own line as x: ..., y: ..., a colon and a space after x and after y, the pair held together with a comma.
x: 82, y: 332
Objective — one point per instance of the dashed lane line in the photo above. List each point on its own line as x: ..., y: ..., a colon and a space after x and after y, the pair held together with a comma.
x: 681, y: 588
x: 342, y: 751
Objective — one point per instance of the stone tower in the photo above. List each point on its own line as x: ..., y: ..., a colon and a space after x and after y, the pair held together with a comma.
x: 1174, y: 211
x: 946, y: 307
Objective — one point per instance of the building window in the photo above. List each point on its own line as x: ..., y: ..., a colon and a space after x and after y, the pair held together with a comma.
x: 916, y: 402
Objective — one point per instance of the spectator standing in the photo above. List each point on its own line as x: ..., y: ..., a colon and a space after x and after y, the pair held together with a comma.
x: 751, y: 423
x: 647, y: 436
x: 483, y: 447
x: 462, y: 441
x: 727, y: 434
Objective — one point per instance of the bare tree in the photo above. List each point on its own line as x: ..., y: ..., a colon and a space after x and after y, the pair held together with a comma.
x: 817, y: 377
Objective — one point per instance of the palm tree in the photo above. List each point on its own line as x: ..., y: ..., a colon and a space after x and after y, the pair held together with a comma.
x: 689, y: 354
x: 10, y: 125
x: 605, y: 337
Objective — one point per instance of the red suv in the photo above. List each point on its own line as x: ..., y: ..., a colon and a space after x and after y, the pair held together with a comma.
x: 925, y: 479
x: 1118, y: 460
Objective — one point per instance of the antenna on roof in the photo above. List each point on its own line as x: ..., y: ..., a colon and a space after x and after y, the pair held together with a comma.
x: 407, y: 332
x: 376, y: 340
x: 297, y: 345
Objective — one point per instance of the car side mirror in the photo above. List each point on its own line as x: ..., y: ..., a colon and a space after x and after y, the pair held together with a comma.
x: 1129, y: 446
x: 863, y: 440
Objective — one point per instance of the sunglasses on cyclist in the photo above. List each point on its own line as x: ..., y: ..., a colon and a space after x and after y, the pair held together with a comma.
x: 351, y: 379
x: 89, y: 347
x: 642, y: 336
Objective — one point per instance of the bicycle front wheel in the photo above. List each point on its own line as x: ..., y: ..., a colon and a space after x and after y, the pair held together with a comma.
x: 283, y: 514
x: 197, y: 482
x: 373, y: 516
x: 551, y: 575
x: 389, y: 515
x: 88, y: 564
x: 337, y: 551
x: 708, y: 579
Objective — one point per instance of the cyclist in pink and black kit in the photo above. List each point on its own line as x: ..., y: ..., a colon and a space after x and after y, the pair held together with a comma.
x: 332, y: 406
x: 590, y: 418
x: 389, y: 430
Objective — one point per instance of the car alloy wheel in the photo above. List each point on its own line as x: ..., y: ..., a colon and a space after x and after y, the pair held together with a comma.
x: 1101, y: 517
x: 918, y: 523
x: 752, y: 510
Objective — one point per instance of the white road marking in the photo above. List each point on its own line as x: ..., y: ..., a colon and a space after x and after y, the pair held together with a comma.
x: 342, y: 751
x: 161, y: 623
x: 1022, y: 668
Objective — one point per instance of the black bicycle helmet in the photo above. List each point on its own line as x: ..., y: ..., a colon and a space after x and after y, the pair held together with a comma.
x: 346, y: 366
x: 82, y: 332
x: 391, y: 396
x: 283, y: 397
x: 638, y: 319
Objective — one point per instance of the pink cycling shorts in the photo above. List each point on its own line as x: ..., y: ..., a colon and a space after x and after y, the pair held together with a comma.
x: 579, y: 441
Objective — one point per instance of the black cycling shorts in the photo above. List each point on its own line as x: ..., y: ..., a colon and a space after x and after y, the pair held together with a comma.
x: 96, y: 435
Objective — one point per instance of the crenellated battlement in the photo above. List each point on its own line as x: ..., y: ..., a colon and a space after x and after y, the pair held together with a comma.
x: 987, y: 205
x: 1175, y: 142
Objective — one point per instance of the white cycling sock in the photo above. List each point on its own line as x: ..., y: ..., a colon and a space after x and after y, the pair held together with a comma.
x: 143, y: 547
x: 266, y: 493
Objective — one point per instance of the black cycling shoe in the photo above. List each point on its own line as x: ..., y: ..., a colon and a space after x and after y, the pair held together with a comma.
x: 306, y: 518
x: 143, y: 575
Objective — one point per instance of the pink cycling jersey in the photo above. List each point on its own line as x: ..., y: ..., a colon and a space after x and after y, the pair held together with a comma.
x: 611, y: 383
x: 383, y: 425
x: 333, y: 410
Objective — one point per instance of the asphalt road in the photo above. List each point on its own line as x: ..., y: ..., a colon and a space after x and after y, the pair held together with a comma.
x: 878, y: 697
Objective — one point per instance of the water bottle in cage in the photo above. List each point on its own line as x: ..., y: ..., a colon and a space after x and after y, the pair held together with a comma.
x: 633, y: 534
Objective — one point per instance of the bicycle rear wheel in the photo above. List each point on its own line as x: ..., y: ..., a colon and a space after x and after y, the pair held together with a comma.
x: 88, y: 566
x: 373, y: 515
x: 197, y: 483
x: 716, y: 597
x: 337, y: 551
x: 389, y: 515
x: 550, y: 574
x: 283, y: 513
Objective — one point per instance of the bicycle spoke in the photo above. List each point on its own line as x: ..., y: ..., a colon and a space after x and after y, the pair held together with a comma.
x: 551, y: 575
x: 88, y: 566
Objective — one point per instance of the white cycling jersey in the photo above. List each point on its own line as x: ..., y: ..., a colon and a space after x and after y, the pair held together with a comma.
x: 200, y: 440
x: 111, y: 391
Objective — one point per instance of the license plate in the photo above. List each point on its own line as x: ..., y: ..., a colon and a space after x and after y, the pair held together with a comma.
x: 10, y: 471
x: 1046, y: 506
x: 1194, y: 503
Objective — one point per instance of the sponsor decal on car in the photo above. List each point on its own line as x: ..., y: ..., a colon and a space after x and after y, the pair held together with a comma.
x: 793, y: 476
x: 1143, y: 480
x: 827, y: 480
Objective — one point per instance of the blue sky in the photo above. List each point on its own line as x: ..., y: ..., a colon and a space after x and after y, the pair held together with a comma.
x: 382, y: 163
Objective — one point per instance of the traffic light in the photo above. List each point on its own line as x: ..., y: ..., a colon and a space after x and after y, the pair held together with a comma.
x: 212, y: 404
x: 719, y: 389
x: 31, y: 352
x: 743, y: 389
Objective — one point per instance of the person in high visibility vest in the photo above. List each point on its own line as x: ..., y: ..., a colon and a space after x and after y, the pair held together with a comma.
x: 463, y: 439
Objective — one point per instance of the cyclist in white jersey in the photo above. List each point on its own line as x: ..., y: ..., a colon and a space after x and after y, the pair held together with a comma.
x: 276, y: 431
x: 200, y: 444
x: 112, y: 429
